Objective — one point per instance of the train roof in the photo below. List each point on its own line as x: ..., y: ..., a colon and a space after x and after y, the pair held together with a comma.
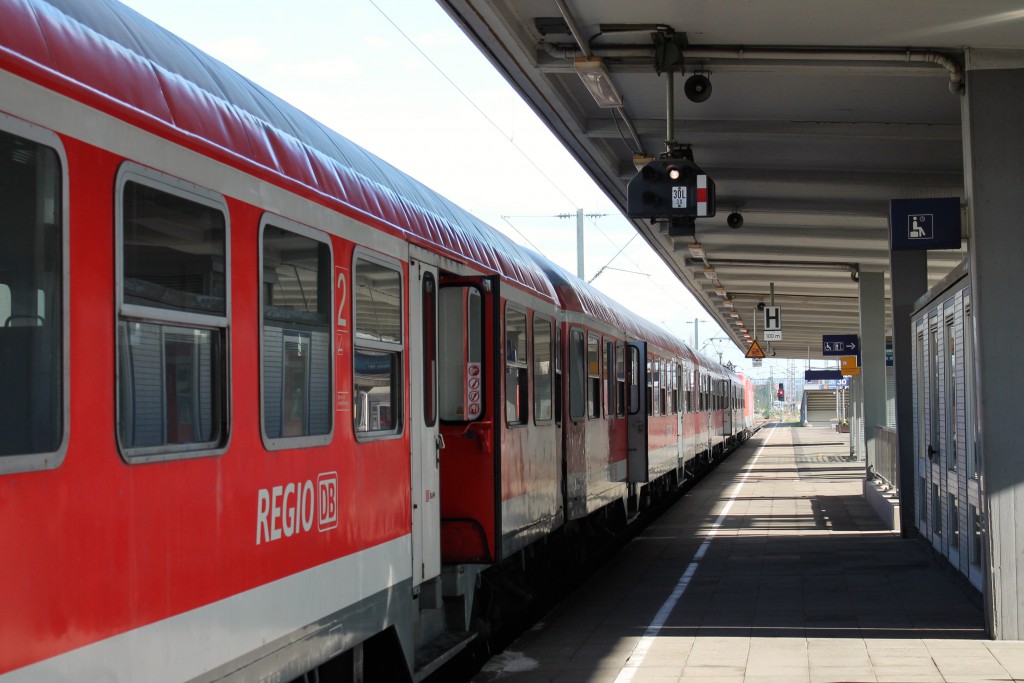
x: 139, y: 71
x: 144, y: 73
x: 577, y: 295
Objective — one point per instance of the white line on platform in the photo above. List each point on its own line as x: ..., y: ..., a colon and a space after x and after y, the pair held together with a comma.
x: 636, y: 657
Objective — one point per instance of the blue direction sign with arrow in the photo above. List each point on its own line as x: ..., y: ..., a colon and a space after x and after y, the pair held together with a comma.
x: 840, y: 345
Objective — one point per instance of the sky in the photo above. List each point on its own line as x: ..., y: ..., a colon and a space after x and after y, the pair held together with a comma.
x: 399, y: 78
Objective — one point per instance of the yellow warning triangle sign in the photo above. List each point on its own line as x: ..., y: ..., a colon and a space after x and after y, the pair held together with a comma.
x: 755, y: 351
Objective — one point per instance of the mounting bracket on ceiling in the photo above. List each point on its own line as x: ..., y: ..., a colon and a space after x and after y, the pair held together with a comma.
x: 668, y: 50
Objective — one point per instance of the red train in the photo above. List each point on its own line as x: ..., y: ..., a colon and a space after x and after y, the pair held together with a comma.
x: 271, y: 406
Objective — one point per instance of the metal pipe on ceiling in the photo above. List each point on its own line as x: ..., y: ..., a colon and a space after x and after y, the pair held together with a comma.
x: 800, y: 265
x: 574, y: 28
x: 781, y: 54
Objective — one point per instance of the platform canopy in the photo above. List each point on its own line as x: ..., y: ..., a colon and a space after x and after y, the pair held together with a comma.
x: 819, y: 114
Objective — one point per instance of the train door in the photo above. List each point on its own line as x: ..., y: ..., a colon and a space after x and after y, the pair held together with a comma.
x: 426, y: 441
x: 636, y: 420
x: 468, y: 382
x: 707, y: 418
x: 574, y: 428
x: 679, y: 405
x: 728, y: 397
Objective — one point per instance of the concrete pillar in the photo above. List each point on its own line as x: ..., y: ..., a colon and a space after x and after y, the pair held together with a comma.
x: 872, y: 357
x: 855, y: 393
x: 909, y: 272
x: 994, y: 174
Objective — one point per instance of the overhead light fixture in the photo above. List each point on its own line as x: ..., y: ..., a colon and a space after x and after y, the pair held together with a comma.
x: 728, y: 302
x: 598, y: 81
x: 735, y: 314
x: 696, y: 250
x: 710, y: 274
x: 641, y: 160
x: 720, y: 290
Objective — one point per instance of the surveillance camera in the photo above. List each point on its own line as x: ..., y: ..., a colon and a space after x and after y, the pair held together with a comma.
x: 735, y: 220
x: 760, y: 305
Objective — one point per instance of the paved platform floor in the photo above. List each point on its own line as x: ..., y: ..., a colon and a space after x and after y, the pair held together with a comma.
x: 774, y: 568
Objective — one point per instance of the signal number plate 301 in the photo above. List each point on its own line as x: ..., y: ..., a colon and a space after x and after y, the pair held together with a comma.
x: 679, y: 197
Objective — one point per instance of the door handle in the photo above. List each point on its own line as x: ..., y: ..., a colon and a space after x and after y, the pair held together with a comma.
x: 931, y: 451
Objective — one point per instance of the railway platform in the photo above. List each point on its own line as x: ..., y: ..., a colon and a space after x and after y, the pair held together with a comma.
x: 774, y: 568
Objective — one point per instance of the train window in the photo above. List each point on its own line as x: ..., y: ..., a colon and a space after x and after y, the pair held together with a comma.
x: 543, y: 370
x: 687, y: 391
x: 677, y: 377
x: 429, y: 295
x: 377, y: 348
x: 559, y: 395
x: 651, y: 365
x: 620, y: 380
x: 577, y: 373
x: 678, y: 372
x: 659, y: 388
x: 593, y: 376
x: 32, y: 355
x: 691, y: 389
x: 666, y: 387
x: 609, y: 375
x: 461, y: 380
x: 296, y: 368
x: 634, y: 381
x: 173, y: 308
x: 516, y: 364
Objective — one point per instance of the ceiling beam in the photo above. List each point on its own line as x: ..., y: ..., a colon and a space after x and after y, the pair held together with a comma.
x: 802, y: 130
x: 753, y: 230
x: 864, y: 258
x: 804, y: 204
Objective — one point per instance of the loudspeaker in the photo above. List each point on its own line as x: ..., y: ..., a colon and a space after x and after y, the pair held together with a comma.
x: 697, y: 88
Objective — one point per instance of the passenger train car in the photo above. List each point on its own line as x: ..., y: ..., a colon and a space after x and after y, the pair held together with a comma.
x: 272, y: 407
